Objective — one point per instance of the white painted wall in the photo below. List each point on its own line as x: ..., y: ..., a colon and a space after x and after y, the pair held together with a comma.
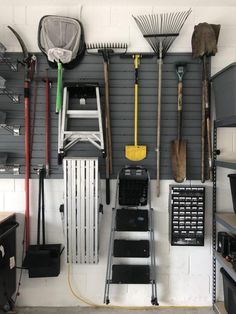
x: 183, y: 274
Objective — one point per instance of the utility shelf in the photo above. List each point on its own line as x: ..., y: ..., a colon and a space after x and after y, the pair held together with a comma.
x: 226, y: 164
x: 226, y: 265
x: 228, y: 220
x: 226, y: 122
x: 219, y: 308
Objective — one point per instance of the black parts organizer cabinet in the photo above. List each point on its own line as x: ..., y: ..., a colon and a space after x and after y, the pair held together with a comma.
x: 187, y: 215
x: 133, y: 215
x: 227, y: 220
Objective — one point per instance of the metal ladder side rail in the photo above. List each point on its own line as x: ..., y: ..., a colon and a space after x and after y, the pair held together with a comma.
x: 63, y: 120
x: 60, y: 115
x: 110, y: 259
x: 100, y: 117
x: 111, y: 247
x: 154, y: 299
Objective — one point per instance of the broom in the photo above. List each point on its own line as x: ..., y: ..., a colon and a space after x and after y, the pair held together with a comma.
x: 160, y: 30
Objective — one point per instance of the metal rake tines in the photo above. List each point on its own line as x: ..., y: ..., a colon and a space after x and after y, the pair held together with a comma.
x: 161, y: 28
x: 106, y: 46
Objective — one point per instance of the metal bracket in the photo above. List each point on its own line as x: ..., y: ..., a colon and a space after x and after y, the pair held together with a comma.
x: 3, y: 59
x: 14, y: 130
x: 14, y: 98
x: 11, y: 65
x: 15, y: 169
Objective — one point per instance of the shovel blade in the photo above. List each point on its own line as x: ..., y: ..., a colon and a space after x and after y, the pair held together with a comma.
x: 135, y: 153
x: 178, y: 156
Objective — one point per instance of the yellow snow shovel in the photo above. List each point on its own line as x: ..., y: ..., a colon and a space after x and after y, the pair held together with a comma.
x: 136, y: 152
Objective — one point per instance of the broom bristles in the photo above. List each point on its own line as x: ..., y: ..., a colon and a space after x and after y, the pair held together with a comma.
x: 116, y: 45
x: 160, y: 30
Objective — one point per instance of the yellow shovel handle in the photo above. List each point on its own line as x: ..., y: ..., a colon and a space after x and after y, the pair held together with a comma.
x: 136, y: 64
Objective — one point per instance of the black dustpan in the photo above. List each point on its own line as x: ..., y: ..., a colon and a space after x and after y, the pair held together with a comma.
x: 42, y: 260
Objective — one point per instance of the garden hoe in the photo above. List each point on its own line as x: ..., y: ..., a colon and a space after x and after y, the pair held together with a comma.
x: 178, y: 146
x: 136, y: 152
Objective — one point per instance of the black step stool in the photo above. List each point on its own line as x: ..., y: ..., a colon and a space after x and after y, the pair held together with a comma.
x: 132, y: 214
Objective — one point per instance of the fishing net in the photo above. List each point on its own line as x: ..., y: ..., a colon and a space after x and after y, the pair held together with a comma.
x: 61, y: 39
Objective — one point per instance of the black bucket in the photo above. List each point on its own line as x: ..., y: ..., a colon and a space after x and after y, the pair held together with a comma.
x: 232, y: 178
x: 43, y: 260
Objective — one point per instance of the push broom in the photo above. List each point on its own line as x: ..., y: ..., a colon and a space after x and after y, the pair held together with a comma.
x: 160, y: 30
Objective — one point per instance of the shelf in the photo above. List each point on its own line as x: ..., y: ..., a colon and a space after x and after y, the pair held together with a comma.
x: 226, y: 122
x: 226, y: 164
x: 228, y: 220
x: 219, y: 308
x: 226, y: 265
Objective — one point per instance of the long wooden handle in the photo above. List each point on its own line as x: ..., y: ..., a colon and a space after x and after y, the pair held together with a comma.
x: 207, y: 116
x: 203, y: 134
x: 160, y: 62
x: 108, y: 133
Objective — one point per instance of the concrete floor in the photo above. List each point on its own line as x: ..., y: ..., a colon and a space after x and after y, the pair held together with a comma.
x: 83, y: 310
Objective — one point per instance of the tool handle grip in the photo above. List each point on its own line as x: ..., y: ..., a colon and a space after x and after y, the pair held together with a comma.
x: 180, y: 108
x: 180, y: 96
x: 108, y: 191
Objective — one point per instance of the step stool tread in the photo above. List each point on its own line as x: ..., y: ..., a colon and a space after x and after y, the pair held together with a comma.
x: 130, y: 274
x: 131, y: 248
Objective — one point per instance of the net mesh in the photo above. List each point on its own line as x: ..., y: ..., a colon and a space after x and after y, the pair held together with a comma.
x: 59, y: 38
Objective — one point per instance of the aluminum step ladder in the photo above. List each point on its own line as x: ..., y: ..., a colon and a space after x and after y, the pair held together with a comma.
x: 132, y: 217
x: 81, y: 103
x: 81, y: 209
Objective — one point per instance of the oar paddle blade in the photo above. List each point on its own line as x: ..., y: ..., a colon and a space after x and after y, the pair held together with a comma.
x: 178, y: 156
x: 135, y: 153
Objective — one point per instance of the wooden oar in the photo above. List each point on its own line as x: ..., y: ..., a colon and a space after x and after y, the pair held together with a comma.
x: 178, y: 146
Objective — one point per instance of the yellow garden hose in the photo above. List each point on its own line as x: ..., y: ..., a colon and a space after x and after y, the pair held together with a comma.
x: 119, y: 307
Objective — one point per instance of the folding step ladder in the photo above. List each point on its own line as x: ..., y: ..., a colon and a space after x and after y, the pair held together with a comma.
x: 133, y: 215
x: 81, y: 209
x: 81, y: 103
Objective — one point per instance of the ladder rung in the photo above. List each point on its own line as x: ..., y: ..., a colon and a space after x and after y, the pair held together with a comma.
x: 132, y: 220
x: 130, y: 274
x: 131, y: 248
x: 82, y: 133
x: 83, y: 114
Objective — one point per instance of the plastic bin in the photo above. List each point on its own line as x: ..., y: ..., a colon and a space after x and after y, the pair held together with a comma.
x: 224, y: 87
x: 229, y: 292
x: 232, y: 179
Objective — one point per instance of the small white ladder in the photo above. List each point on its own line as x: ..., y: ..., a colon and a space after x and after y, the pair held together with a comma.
x: 83, y: 93
x: 81, y: 209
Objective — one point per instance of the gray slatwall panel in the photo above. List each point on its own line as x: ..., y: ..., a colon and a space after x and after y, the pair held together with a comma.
x: 121, y: 102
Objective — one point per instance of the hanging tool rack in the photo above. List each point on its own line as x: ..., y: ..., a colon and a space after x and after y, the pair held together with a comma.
x: 3, y: 59
x: 14, y: 130
x: 6, y: 168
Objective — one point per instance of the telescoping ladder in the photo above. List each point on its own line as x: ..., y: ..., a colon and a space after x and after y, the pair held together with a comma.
x: 132, y: 215
x: 80, y: 119
x: 81, y: 209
